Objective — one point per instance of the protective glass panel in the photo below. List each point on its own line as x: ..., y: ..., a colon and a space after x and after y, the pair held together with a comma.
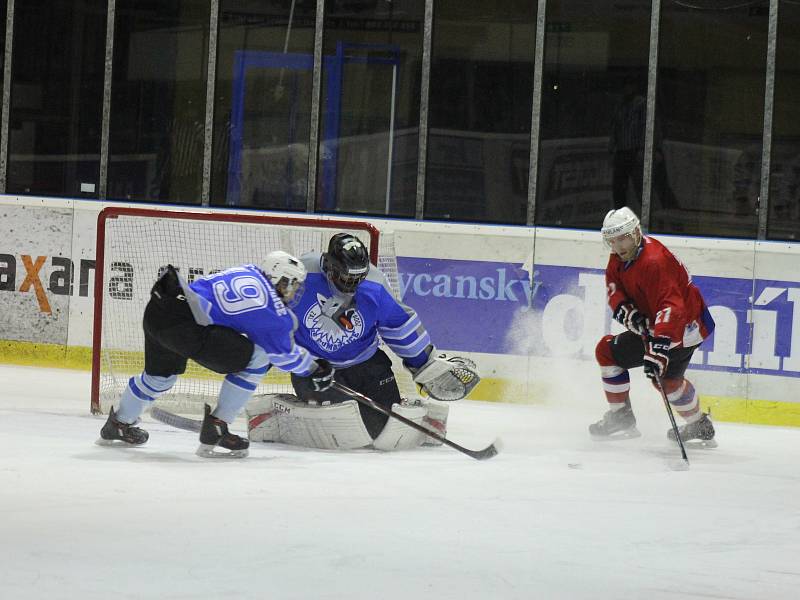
x: 56, y: 97
x: 158, y: 101
x: 369, y: 130
x: 263, y: 104
x: 594, y: 106
x: 481, y: 90
x: 709, y: 117
x: 784, y: 191
x: 3, y: 9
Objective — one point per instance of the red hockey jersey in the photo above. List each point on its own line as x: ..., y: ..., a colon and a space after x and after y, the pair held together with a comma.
x: 661, y: 288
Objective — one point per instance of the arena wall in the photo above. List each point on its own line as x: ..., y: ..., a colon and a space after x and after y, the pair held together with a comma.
x: 528, y: 304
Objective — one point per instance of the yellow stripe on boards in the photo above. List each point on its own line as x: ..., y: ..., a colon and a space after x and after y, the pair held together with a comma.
x: 759, y: 412
x: 35, y: 354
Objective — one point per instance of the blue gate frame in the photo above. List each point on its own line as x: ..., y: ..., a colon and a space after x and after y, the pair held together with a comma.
x: 246, y: 60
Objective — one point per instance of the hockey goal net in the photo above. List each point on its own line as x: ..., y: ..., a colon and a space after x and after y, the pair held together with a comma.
x: 134, y: 245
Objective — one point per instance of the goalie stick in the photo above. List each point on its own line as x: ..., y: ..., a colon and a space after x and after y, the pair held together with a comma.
x: 488, y: 452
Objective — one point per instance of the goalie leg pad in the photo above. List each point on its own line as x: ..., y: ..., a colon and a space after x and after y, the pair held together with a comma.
x: 435, y: 419
x: 262, y: 421
x: 330, y: 427
x: 397, y: 436
x: 284, y: 418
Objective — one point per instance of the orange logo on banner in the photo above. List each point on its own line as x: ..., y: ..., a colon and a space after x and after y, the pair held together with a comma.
x: 32, y: 279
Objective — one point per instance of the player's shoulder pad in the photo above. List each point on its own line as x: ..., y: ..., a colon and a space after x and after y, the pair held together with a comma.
x: 654, y: 265
x: 312, y: 261
x: 256, y: 270
x: 653, y: 253
x: 376, y: 277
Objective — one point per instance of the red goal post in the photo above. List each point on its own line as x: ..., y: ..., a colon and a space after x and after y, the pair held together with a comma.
x: 133, y: 244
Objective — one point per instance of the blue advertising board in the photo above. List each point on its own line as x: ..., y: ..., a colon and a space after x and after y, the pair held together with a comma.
x: 494, y: 307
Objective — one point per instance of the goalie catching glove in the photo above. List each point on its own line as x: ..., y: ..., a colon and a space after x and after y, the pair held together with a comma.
x: 446, y: 377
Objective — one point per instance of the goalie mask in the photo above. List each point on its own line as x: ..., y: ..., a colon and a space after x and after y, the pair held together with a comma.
x: 346, y: 263
x: 286, y: 274
x: 622, y: 233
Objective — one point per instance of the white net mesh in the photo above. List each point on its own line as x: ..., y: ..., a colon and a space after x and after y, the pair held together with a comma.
x: 387, y: 263
x: 139, y: 243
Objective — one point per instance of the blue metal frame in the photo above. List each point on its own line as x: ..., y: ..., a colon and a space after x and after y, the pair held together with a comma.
x: 333, y: 105
x: 245, y: 60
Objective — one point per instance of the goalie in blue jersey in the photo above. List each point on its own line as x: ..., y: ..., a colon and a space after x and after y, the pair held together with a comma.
x: 346, y: 309
x: 235, y: 322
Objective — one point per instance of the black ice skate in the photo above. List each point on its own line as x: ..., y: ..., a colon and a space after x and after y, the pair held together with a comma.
x: 214, y: 433
x: 615, y: 425
x: 116, y: 433
x: 699, y: 434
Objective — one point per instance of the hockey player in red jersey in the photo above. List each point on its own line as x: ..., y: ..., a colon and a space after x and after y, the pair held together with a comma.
x: 651, y: 294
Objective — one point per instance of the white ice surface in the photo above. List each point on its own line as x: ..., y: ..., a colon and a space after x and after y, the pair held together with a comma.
x: 553, y: 516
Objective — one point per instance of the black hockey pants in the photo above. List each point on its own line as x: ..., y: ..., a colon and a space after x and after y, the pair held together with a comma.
x: 628, y: 350
x: 171, y: 335
x: 373, y: 378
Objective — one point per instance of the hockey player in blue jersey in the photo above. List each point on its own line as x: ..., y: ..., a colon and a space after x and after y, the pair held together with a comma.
x: 235, y: 322
x: 346, y: 309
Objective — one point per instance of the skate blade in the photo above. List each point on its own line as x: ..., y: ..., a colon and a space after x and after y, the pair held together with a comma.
x: 700, y: 444
x: 209, y: 451
x: 116, y: 443
x: 627, y: 434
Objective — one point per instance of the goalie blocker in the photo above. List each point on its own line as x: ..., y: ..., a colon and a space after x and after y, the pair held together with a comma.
x: 284, y: 418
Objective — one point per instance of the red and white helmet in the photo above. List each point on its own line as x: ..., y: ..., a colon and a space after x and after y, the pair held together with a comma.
x: 621, y: 232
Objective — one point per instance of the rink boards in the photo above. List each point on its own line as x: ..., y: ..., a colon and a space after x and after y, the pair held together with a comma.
x: 527, y: 303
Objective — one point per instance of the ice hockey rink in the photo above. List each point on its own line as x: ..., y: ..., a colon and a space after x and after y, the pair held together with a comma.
x: 555, y: 515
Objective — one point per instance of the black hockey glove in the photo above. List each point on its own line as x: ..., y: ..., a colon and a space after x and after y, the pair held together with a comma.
x: 631, y: 319
x: 168, y: 285
x: 656, y: 357
x: 322, y: 378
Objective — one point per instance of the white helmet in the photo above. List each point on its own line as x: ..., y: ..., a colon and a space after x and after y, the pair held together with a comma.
x: 287, y: 274
x: 622, y: 227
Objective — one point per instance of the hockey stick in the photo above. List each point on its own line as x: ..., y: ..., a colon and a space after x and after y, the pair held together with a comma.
x: 484, y: 454
x: 668, y: 406
x: 178, y: 421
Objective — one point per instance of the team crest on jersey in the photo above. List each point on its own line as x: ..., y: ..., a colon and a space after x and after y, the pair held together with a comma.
x: 333, y: 325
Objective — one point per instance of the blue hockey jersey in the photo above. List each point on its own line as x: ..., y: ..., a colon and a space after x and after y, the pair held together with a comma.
x: 345, y: 329
x: 243, y: 299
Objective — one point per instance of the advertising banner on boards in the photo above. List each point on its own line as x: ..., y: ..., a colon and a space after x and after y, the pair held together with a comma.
x: 494, y: 307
